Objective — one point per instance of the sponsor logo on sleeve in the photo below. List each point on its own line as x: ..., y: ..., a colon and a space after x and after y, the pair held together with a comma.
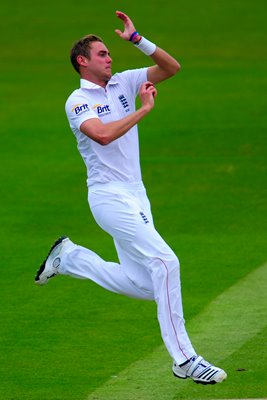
x: 80, y: 108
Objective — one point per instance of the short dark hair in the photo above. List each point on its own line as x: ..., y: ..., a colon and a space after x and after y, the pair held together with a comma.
x: 82, y: 48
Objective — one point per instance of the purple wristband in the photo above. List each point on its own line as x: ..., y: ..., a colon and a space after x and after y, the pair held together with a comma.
x: 133, y: 35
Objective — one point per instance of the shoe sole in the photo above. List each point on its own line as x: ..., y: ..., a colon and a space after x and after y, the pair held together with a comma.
x: 220, y: 378
x: 39, y: 281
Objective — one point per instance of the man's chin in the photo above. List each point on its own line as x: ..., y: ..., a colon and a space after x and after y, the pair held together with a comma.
x: 108, y: 75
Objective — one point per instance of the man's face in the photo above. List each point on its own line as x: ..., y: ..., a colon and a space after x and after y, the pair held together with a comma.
x: 99, y: 64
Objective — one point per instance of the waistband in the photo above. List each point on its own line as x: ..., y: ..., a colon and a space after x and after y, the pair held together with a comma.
x: 113, y: 185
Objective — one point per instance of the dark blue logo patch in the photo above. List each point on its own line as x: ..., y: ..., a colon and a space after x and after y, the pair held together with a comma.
x: 146, y: 221
x: 124, y: 102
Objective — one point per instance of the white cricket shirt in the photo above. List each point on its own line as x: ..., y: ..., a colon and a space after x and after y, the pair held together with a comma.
x: 119, y: 160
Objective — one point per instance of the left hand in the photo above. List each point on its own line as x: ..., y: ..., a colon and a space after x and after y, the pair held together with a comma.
x: 147, y: 93
x: 128, y: 26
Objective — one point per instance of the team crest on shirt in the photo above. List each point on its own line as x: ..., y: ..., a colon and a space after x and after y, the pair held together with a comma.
x: 124, y: 102
x: 80, y: 108
x: 102, y: 109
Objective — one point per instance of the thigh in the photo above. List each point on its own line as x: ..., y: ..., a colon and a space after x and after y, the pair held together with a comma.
x: 127, y: 218
x: 136, y: 272
x: 120, y: 211
x: 116, y: 213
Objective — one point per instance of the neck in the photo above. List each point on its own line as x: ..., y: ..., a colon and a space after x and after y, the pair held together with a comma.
x: 97, y: 81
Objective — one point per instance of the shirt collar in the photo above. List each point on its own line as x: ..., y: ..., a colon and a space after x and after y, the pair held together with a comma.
x: 85, y: 84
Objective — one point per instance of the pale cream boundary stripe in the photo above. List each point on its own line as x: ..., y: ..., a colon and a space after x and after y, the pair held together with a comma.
x: 228, y: 322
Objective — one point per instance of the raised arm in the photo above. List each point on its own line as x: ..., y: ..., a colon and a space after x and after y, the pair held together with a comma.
x: 166, y: 66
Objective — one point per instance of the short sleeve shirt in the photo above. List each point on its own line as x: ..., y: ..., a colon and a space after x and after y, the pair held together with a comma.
x: 119, y: 160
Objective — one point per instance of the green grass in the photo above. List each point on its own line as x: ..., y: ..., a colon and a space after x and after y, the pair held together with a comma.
x: 204, y: 152
x: 150, y: 377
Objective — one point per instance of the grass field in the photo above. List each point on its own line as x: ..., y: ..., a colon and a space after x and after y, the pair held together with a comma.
x: 203, y: 155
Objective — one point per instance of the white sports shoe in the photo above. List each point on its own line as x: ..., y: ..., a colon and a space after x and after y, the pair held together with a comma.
x: 49, y: 267
x: 200, y: 371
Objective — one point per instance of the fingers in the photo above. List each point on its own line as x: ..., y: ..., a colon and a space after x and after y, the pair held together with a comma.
x: 118, y: 31
x: 148, y: 88
x: 154, y: 92
x: 148, y: 84
x: 122, y: 16
x: 151, y: 90
x: 128, y: 26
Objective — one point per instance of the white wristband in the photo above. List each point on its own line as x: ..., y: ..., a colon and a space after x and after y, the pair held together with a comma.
x: 146, y: 46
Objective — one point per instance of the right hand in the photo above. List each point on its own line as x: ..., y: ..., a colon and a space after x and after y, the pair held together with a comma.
x: 147, y: 94
x: 129, y: 27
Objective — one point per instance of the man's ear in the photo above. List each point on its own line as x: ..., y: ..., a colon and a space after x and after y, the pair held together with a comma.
x: 81, y: 60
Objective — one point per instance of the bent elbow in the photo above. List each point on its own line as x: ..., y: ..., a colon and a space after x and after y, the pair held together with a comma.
x: 103, y: 139
x: 173, y: 70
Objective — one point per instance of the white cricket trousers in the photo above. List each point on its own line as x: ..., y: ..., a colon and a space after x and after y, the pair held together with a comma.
x: 148, y: 268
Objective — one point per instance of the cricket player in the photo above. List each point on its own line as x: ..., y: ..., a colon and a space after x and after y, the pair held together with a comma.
x: 103, y: 118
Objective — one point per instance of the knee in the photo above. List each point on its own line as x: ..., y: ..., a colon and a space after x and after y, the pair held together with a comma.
x: 174, y: 261
x: 167, y: 265
x: 172, y: 266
